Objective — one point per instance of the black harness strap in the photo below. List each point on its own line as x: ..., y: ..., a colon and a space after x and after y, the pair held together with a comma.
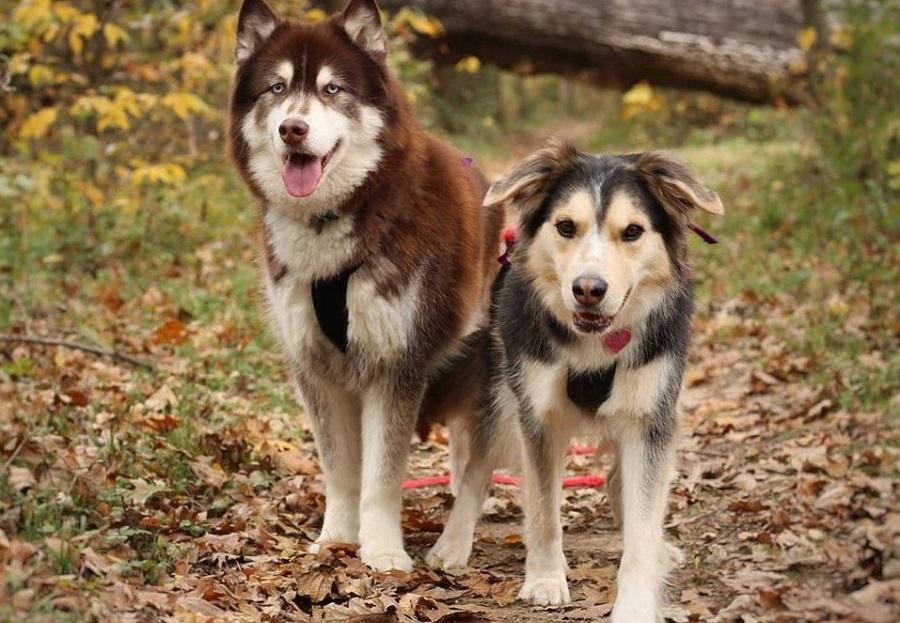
x: 589, y: 390
x: 330, y: 302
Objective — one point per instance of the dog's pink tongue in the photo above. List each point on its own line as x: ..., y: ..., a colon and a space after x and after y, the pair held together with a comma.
x: 617, y: 340
x: 301, y: 175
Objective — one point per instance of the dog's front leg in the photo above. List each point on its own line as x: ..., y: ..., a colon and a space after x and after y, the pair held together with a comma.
x: 544, y: 456
x: 388, y: 417
x: 645, y: 455
x: 336, y: 428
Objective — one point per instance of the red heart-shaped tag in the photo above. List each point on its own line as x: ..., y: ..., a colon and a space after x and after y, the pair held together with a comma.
x: 617, y: 340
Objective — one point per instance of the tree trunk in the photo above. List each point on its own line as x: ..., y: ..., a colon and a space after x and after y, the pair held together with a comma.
x: 737, y: 48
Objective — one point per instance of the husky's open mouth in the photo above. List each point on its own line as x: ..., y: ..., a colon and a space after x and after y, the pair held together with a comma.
x: 302, y: 173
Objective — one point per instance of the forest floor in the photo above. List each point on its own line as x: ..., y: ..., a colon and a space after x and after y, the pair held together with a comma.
x: 188, y: 492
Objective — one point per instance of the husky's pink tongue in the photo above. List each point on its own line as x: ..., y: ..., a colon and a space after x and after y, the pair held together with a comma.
x: 301, y: 175
x: 617, y: 340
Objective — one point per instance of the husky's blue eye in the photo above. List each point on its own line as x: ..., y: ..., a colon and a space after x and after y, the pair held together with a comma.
x: 331, y: 89
x: 277, y: 88
x: 632, y: 233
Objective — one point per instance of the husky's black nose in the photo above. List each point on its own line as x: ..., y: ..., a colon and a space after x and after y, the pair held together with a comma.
x: 589, y: 289
x: 293, y: 131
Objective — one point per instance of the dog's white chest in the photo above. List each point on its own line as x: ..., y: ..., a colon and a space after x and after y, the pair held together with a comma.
x: 379, y: 327
x: 638, y: 392
x: 310, y: 252
x: 293, y: 316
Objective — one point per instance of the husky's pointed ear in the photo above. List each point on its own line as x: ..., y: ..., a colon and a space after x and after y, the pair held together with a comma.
x: 525, y: 187
x: 674, y: 186
x: 362, y: 21
x: 256, y: 23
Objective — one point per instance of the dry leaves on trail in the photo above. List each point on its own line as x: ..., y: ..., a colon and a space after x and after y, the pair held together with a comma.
x: 184, y: 497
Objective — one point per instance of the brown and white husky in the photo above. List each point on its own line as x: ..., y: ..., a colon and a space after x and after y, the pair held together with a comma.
x: 379, y: 254
x: 589, y: 331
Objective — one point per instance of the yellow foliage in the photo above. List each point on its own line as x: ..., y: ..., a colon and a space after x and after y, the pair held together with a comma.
x: 114, y: 113
x: 40, y: 75
x: 893, y: 171
x: 841, y: 38
x: 167, y: 173
x: 183, y: 104
x: 641, y: 98
x: 114, y: 34
x: 32, y: 13
x: 316, y: 15
x: 469, y: 65
x: 420, y: 23
x: 18, y: 64
x: 50, y: 33
x: 65, y: 12
x: 806, y: 38
x: 38, y: 125
x: 83, y: 27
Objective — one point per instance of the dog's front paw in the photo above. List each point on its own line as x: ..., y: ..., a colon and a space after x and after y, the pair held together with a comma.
x: 387, y: 560
x: 332, y: 537
x: 449, y: 554
x: 636, y: 605
x: 546, y: 590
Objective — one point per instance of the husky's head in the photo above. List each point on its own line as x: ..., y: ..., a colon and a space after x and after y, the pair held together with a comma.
x: 309, y: 103
x: 603, y: 236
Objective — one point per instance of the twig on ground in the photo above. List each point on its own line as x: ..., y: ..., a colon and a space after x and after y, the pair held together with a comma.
x: 95, y: 350
x: 15, y: 453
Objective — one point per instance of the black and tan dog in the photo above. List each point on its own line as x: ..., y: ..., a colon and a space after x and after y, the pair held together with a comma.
x: 589, y: 329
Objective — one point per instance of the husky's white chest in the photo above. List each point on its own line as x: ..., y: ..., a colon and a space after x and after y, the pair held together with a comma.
x: 379, y: 328
x: 380, y: 325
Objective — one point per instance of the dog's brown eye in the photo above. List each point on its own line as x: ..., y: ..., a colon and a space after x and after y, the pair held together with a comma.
x: 331, y: 89
x: 632, y: 233
x: 566, y: 228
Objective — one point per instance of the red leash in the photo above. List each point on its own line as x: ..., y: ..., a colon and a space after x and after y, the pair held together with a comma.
x: 575, y: 482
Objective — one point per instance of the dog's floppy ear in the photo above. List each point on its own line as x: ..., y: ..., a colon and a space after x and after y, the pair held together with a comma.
x: 362, y: 21
x: 674, y: 186
x: 256, y: 23
x: 526, y: 186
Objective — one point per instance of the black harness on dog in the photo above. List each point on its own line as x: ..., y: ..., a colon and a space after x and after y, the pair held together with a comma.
x: 589, y: 390
x: 329, y: 295
x: 330, y: 302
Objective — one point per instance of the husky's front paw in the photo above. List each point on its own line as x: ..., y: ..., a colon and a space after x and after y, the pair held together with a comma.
x: 449, y: 554
x: 636, y: 605
x: 329, y: 537
x: 546, y: 590
x: 386, y: 560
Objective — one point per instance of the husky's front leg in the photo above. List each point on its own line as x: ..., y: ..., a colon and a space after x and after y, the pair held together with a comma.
x: 646, y: 455
x: 336, y: 428
x: 388, y: 417
x: 544, y: 455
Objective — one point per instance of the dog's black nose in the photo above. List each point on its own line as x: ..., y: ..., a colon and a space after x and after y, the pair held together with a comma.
x: 589, y: 289
x: 293, y: 131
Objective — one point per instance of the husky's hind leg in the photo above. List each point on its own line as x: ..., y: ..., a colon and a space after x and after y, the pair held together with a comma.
x: 454, y: 546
